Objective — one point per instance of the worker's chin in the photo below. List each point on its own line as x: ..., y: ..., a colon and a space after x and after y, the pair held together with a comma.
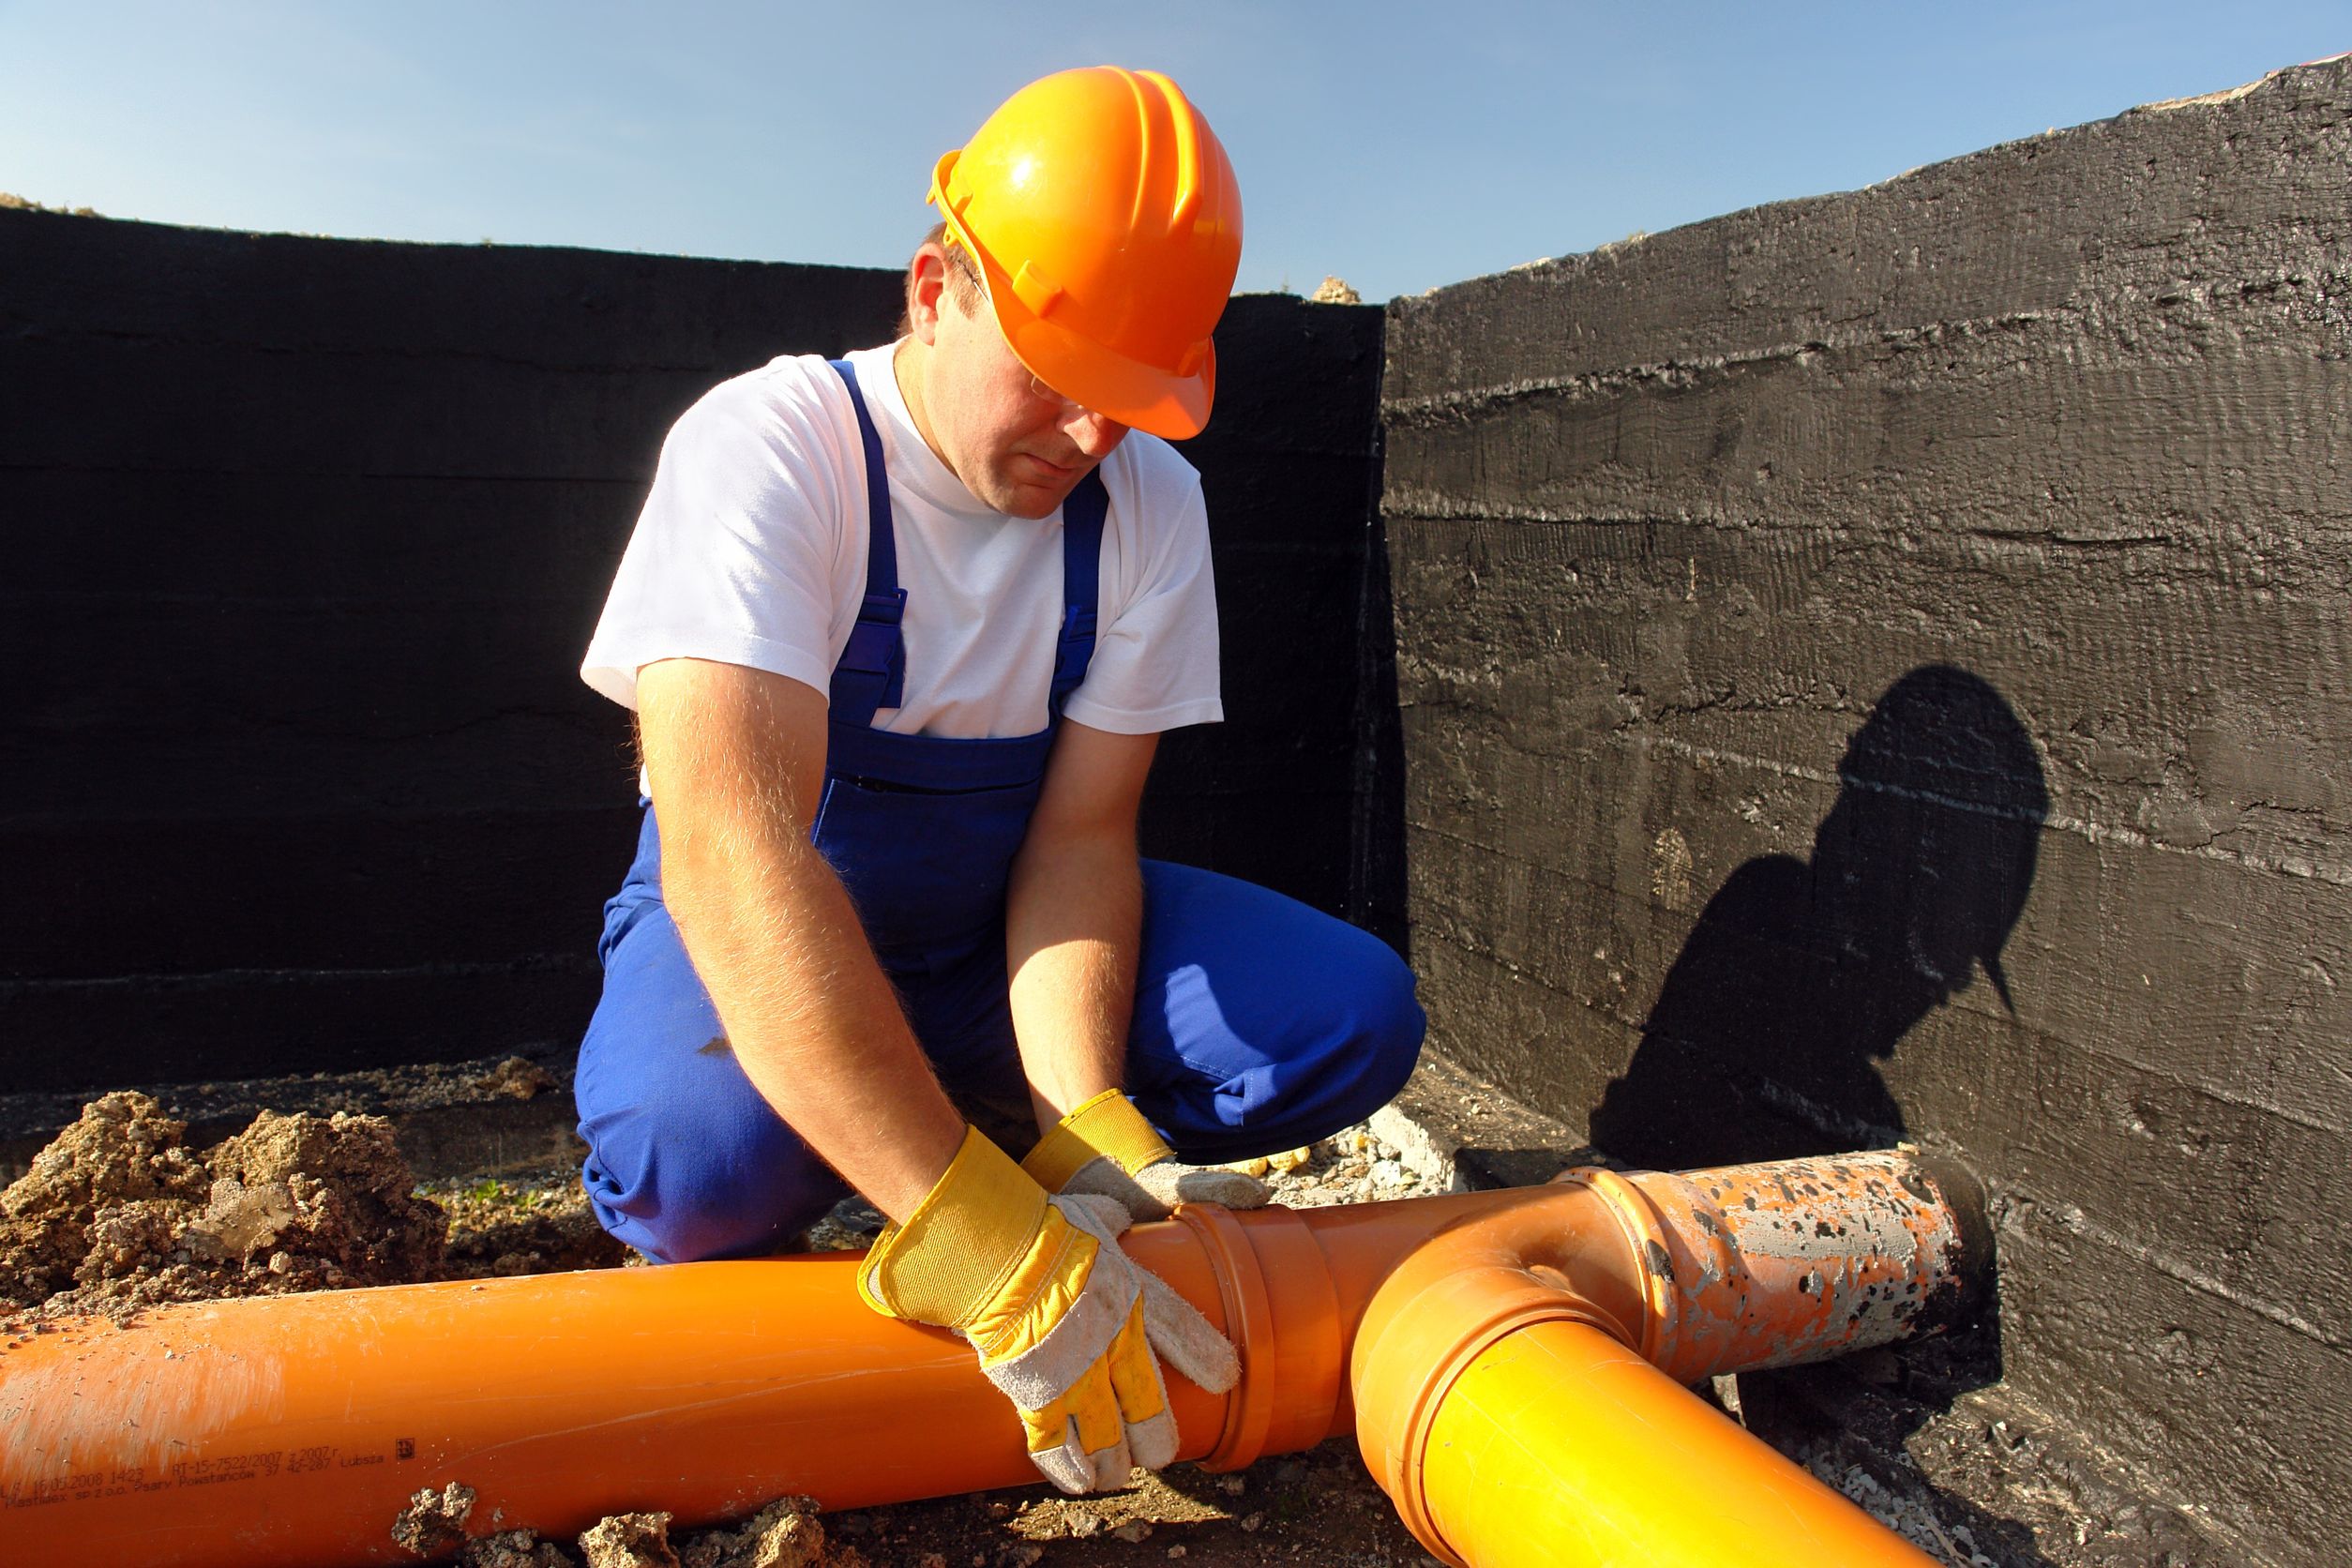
x: 1031, y: 491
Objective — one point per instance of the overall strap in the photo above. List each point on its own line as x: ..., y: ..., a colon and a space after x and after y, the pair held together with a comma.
x: 872, y: 672
x: 1082, y: 516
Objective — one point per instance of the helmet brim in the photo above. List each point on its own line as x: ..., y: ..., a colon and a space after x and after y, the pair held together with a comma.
x: 1142, y: 397
x: 1139, y: 396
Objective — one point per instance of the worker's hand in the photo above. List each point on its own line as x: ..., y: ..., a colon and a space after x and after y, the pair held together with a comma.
x: 1106, y: 1148
x: 1065, y: 1323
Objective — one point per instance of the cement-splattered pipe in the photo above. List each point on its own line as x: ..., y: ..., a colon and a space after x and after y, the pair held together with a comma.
x: 290, y: 1430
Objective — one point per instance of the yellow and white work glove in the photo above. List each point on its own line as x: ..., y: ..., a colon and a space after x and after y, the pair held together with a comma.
x: 1106, y: 1148
x: 1065, y: 1323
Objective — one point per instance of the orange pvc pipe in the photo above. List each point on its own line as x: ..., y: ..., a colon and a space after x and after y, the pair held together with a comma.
x: 291, y: 1430
x: 1518, y: 1375
x: 1558, y: 1446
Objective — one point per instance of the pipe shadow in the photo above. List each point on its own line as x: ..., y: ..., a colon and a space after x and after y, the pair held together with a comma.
x: 1800, y: 976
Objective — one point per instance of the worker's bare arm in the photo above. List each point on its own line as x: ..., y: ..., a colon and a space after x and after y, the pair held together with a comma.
x: 1073, y: 919
x: 736, y: 760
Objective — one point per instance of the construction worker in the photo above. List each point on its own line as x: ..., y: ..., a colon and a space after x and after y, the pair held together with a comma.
x: 900, y: 632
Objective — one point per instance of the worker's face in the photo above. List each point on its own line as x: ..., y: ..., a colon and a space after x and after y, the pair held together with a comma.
x: 1016, y: 446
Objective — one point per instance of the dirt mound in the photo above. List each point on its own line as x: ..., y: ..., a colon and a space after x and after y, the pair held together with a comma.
x: 118, y: 1213
x: 332, y: 1193
x: 122, y: 1169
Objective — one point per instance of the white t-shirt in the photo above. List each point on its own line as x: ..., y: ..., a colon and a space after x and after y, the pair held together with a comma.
x: 751, y: 550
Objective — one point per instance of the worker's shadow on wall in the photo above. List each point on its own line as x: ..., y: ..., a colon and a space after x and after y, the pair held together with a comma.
x: 1801, y: 976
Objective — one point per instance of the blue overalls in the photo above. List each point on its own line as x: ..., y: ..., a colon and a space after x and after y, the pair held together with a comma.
x: 1259, y: 1024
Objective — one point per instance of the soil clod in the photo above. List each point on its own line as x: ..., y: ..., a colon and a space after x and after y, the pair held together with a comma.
x: 784, y: 1534
x: 434, y: 1521
x: 629, y: 1541
x: 517, y: 1078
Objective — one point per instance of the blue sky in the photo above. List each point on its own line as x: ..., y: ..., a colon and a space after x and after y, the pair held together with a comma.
x: 1402, y: 147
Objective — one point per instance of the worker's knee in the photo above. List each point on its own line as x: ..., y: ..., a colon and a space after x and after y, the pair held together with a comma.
x: 685, y: 1159
x: 1390, y: 1026
x: 1373, y: 1038
x: 1275, y: 1037
x: 692, y: 1190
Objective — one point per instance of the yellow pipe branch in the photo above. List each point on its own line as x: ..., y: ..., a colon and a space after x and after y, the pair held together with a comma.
x: 1558, y: 1446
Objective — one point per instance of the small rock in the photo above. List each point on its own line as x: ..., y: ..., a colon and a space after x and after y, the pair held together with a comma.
x: 434, y: 1521
x: 629, y: 1541
x: 1176, y: 1551
x: 517, y: 1079
x: 1083, y: 1523
x: 1232, y: 1484
x: 1253, y: 1522
x: 1134, y: 1531
x: 786, y: 1534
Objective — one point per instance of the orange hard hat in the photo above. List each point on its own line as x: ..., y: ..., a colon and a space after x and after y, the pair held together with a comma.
x: 1107, y: 226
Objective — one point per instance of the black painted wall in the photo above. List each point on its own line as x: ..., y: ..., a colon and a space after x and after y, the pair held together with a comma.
x: 1880, y: 667
x: 1300, y: 787
x: 305, y: 539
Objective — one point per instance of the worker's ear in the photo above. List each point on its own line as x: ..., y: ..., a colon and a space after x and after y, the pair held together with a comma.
x: 927, y: 291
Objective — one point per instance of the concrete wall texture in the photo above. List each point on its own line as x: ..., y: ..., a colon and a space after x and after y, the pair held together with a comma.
x: 305, y: 539
x: 1880, y: 667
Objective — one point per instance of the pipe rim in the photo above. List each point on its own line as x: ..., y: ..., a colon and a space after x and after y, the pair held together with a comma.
x: 1249, y: 1323
x: 1974, y: 1267
x: 1645, y: 1235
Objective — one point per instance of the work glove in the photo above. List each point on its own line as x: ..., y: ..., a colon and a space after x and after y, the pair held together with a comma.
x: 1106, y: 1148
x: 1065, y: 1323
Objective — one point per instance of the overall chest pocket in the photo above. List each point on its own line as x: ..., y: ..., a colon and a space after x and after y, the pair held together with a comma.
x: 926, y: 867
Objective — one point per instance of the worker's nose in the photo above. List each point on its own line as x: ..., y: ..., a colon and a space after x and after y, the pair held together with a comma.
x: 1092, y: 434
